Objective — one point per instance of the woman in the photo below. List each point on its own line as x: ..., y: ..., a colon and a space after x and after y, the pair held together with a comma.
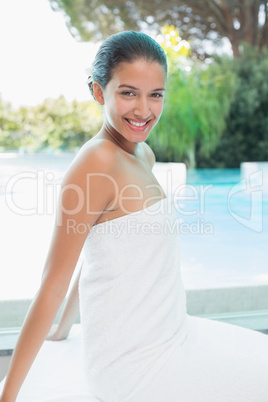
x: 139, y: 345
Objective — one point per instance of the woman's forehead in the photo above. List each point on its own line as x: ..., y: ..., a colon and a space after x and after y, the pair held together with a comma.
x: 139, y: 71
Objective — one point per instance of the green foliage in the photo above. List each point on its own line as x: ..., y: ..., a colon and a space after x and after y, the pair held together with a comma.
x: 54, y: 124
x: 9, y: 126
x: 245, y: 137
x: 214, y: 115
x: 197, y: 20
x: 196, y: 104
x: 174, y: 46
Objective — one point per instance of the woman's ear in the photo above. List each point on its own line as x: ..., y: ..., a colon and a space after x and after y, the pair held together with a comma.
x: 98, y: 93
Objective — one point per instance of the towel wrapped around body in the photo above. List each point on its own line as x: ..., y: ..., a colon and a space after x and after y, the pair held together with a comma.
x: 139, y: 344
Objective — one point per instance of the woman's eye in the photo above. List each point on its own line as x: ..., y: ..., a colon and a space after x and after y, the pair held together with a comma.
x: 128, y: 93
x: 157, y: 95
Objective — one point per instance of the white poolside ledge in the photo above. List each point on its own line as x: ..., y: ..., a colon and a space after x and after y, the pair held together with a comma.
x: 255, y: 173
x: 171, y: 176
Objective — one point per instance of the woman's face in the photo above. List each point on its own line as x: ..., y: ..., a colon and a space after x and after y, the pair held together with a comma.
x: 133, y: 99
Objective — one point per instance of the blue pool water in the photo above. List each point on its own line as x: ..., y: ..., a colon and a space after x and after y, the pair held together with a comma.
x: 228, y: 243
x: 223, y: 225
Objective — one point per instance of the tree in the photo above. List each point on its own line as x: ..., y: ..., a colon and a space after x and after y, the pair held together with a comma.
x: 66, y: 125
x: 53, y: 124
x: 195, y: 110
x: 245, y: 138
x: 196, y: 103
x: 9, y: 126
x: 197, y: 20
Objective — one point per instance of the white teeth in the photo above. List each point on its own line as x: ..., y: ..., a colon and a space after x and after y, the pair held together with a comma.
x: 134, y: 123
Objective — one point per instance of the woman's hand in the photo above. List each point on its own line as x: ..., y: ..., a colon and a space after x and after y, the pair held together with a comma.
x: 55, y: 334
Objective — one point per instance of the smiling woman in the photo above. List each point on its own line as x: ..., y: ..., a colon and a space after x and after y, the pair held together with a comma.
x: 138, y: 342
x: 133, y: 100
x: 132, y: 97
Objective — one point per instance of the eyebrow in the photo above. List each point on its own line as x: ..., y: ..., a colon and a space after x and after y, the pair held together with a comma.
x: 131, y: 87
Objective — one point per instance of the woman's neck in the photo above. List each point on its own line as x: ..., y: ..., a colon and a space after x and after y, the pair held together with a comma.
x: 110, y: 134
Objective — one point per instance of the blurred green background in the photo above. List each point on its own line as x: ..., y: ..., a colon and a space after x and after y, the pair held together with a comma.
x: 216, y: 106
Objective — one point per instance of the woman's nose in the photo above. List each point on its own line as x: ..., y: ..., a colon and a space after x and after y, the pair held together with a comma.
x: 142, y: 109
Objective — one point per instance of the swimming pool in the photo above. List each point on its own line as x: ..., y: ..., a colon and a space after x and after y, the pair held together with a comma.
x: 221, y: 244
x: 227, y: 245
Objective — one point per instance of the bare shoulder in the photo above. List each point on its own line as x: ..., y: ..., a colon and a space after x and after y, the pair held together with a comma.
x: 149, y: 154
x: 95, y: 156
x: 90, y: 181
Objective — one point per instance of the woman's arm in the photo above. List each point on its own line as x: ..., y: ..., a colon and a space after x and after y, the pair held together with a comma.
x: 40, y: 317
x: 78, y: 204
x: 69, y: 314
x: 31, y: 338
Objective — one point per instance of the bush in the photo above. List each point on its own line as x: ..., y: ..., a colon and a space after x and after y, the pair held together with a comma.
x: 195, y: 108
x: 245, y: 137
x: 53, y: 124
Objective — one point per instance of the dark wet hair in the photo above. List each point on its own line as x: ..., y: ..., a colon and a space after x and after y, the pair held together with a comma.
x: 127, y: 46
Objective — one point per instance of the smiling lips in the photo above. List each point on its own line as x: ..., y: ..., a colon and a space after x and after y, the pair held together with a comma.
x: 140, y: 126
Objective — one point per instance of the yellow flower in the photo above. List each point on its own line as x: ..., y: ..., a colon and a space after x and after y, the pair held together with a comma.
x: 174, y: 46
